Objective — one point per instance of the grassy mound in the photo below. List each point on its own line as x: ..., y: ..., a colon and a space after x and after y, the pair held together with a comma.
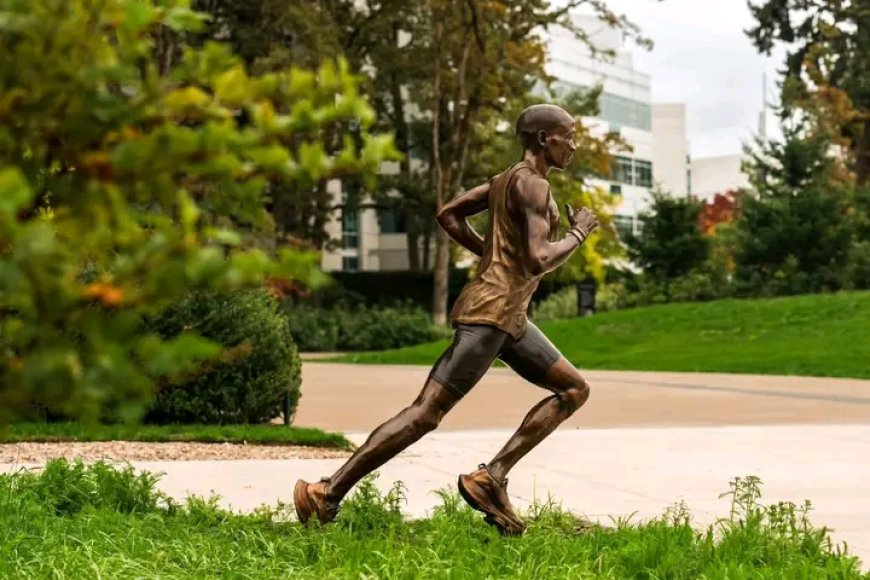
x: 73, y: 520
x: 814, y: 335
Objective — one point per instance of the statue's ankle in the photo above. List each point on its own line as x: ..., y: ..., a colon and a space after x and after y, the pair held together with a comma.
x: 329, y: 492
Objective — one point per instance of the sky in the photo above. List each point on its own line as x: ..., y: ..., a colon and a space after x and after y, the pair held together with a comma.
x: 703, y: 58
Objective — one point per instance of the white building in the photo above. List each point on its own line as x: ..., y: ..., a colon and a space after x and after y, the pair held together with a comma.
x: 371, y: 237
x: 712, y: 175
x: 670, y: 149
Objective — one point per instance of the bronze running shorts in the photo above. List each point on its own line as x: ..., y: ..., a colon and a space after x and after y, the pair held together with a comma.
x: 476, y: 346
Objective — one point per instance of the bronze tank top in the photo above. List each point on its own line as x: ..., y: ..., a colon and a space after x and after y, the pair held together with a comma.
x: 501, y: 290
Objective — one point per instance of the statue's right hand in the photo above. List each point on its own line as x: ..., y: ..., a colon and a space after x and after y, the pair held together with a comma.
x: 582, y: 218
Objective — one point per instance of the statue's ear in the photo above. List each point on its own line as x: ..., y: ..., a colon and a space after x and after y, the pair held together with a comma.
x: 541, y: 138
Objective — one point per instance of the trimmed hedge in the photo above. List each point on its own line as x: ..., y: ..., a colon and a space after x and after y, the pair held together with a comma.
x: 359, y: 329
x: 249, y: 389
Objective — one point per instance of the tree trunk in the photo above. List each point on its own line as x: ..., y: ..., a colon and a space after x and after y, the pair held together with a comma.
x: 442, y: 256
x: 447, y: 172
x: 427, y: 243
x: 413, y: 238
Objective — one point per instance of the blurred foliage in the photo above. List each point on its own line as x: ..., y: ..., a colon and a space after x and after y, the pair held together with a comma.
x: 126, y: 183
x: 557, y: 306
x: 386, y: 40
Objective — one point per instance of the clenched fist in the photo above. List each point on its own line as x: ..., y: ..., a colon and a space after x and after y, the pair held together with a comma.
x: 581, y: 219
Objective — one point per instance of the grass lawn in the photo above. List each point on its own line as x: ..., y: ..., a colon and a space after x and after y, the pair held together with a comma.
x: 98, y: 522
x: 815, y: 335
x: 254, y: 434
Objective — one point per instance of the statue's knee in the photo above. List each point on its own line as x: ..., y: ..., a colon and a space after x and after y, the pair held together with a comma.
x: 425, y: 420
x: 577, y: 394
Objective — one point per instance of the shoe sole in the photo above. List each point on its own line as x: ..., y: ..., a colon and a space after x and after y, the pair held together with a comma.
x: 302, y: 502
x: 478, y: 499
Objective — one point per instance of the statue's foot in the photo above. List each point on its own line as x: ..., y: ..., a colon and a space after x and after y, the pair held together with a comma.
x: 488, y: 495
x: 310, y: 499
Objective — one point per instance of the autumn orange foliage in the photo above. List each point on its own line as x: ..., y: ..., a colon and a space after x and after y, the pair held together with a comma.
x: 722, y: 209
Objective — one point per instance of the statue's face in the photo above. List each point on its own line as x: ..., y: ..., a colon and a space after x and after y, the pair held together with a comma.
x: 559, y: 146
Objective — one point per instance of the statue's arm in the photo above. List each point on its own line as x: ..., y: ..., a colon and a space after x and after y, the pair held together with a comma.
x: 453, y: 217
x: 533, y: 199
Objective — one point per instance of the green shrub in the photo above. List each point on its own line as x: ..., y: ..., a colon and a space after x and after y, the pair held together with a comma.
x: 558, y: 305
x: 250, y: 384
x: 611, y: 296
x: 314, y: 329
x: 383, y: 328
x: 699, y: 285
x: 358, y: 329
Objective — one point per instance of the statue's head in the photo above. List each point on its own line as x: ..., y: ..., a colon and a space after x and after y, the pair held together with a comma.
x: 548, y: 130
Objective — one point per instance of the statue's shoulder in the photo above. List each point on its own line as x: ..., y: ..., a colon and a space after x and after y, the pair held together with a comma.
x: 528, y: 189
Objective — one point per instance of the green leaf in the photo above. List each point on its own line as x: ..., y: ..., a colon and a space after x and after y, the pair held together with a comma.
x: 182, y: 18
x: 275, y: 158
x: 232, y: 87
x: 139, y: 15
x: 184, y: 99
x: 15, y: 193
x: 224, y: 236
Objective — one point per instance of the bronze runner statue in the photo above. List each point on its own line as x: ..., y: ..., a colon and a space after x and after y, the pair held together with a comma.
x: 490, y: 321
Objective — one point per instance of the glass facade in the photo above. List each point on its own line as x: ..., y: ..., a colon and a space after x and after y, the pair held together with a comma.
x: 616, y: 110
x: 620, y: 170
x: 349, y: 228
x: 625, y: 112
x: 391, y: 221
x: 624, y: 225
x: 631, y: 171
x: 642, y: 173
x: 350, y: 263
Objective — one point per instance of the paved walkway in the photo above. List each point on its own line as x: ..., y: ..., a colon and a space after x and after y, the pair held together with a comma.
x: 346, y: 397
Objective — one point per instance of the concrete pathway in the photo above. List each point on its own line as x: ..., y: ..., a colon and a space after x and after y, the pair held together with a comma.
x: 347, y: 397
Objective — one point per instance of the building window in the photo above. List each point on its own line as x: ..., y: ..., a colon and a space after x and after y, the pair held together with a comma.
x: 625, y: 111
x: 391, y: 220
x: 631, y: 171
x: 616, y: 110
x: 349, y: 228
x: 350, y: 263
x: 624, y: 225
x: 621, y: 169
x: 615, y: 189
x: 642, y: 173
